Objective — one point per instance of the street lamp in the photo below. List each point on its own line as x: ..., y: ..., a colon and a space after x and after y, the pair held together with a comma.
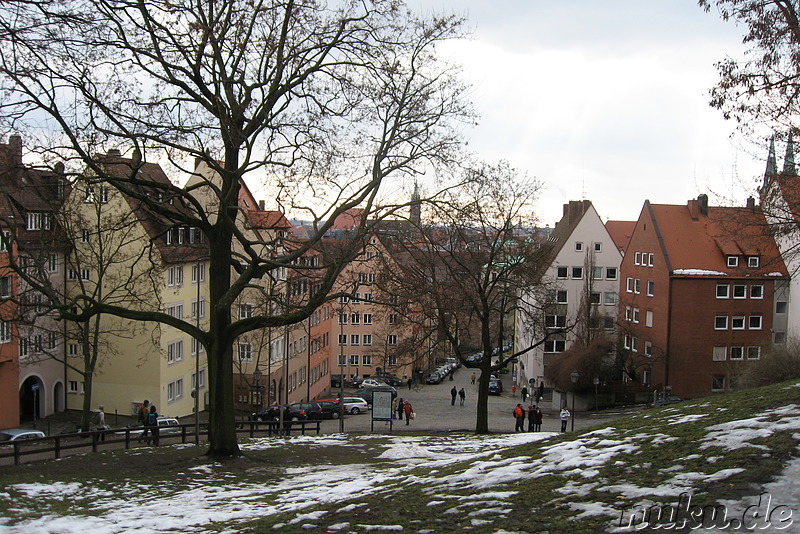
x: 574, y: 376
x: 257, y: 385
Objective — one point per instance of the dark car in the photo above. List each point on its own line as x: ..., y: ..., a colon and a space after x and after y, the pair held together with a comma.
x: 336, y: 381
x: 330, y: 408
x: 389, y: 378
x: 366, y: 393
x: 273, y: 413
x: 433, y: 377
x: 495, y: 386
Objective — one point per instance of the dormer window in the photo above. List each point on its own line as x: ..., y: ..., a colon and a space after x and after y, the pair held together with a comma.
x: 733, y: 261
x: 753, y: 261
x: 38, y: 221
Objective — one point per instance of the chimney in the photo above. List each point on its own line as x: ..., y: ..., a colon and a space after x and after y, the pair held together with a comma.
x: 261, y: 205
x: 702, y: 204
x: 751, y: 203
x: 114, y: 153
x: 15, y: 149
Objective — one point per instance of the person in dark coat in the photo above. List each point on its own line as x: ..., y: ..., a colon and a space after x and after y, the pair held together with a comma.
x: 537, y: 420
x: 453, y: 393
x: 152, y: 425
x: 400, y: 407
x: 519, y: 416
x: 524, y: 393
x: 531, y: 419
x: 462, y: 396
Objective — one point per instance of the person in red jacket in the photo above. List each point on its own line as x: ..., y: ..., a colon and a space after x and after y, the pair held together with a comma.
x: 408, y: 411
x: 519, y: 415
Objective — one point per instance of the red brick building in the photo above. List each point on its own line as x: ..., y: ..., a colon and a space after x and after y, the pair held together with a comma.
x: 700, y: 292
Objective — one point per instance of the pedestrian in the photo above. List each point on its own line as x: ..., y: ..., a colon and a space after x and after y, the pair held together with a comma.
x: 519, y: 416
x: 451, y: 374
x: 410, y: 382
x: 537, y: 420
x: 453, y: 393
x: 144, y: 410
x: 473, y: 378
x: 564, y: 418
x: 462, y: 396
x: 409, y: 411
x: 101, y: 421
x: 394, y: 408
x: 152, y: 424
x: 513, y: 390
x: 400, y: 407
x: 524, y: 393
x: 531, y: 419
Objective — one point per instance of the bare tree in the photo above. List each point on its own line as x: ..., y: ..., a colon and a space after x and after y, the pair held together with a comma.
x: 468, y: 268
x: 328, y: 102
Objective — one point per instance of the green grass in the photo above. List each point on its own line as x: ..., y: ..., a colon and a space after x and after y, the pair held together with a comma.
x: 436, y: 500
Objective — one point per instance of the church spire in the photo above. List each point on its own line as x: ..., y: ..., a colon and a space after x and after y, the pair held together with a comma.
x: 788, y: 163
x: 416, y: 206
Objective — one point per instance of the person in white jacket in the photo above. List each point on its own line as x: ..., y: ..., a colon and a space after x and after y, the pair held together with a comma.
x: 565, y: 415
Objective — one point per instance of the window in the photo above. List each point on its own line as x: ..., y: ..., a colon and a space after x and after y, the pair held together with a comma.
x: 354, y: 359
x: 72, y: 386
x: 175, y: 390
x: 721, y: 322
x: 598, y: 247
x: 629, y: 285
x: 597, y: 273
x: 732, y: 261
x: 739, y: 291
x: 651, y: 288
x: 608, y: 322
x: 753, y: 261
x: 648, y: 348
x: 636, y: 315
x: 626, y: 342
x: 245, y: 311
x: 52, y: 263
x: 38, y: 221
x: 637, y: 286
x: 199, y: 308
x: 781, y: 307
x: 635, y: 344
x: 717, y: 383
x: 245, y: 352
x: 175, y: 276
x: 578, y: 246
x: 175, y: 310
x: 5, y: 239
x: 366, y: 359
x: 647, y: 376
x: 342, y: 318
x: 561, y: 272
x: 594, y: 298
x: 367, y: 339
x: 756, y: 292
x: 175, y: 351
x: 755, y: 322
x: 355, y: 339
x: 554, y: 345
x: 719, y: 354
x: 196, y: 345
x: 84, y: 236
x: 611, y: 273
x: 367, y: 318
x: 391, y: 339
x: 198, y: 272
x: 723, y: 291
x: 367, y: 297
x: 609, y: 298
x: 342, y: 360
x: 637, y: 258
x: 200, y: 382
x: 737, y: 322
x: 577, y: 273
x: 753, y: 353
x: 392, y: 318
x: 86, y: 274
x: 648, y: 318
x: 555, y: 321
x: 5, y: 286
x: 737, y: 353
x: 561, y: 296
x: 5, y: 332
x: 355, y: 318
x: 24, y: 346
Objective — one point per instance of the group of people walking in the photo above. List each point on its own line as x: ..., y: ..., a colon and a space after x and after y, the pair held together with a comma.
x: 534, y: 416
x: 460, y: 393
x: 148, y: 418
x: 404, y: 408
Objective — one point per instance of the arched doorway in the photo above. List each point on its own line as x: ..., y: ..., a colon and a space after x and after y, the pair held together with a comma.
x: 58, y: 397
x: 31, y: 397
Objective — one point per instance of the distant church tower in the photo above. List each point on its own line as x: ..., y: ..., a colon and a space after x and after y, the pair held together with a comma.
x: 416, y: 207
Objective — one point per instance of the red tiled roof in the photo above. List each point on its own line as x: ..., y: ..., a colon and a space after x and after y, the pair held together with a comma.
x: 620, y: 232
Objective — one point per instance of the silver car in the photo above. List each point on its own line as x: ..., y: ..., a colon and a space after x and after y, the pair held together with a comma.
x: 355, y: 405
x: 16, y: 434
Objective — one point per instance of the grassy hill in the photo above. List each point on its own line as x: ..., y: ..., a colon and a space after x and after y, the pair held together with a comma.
x: 673, y: 461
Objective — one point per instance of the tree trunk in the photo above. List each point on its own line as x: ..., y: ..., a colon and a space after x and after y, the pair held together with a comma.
x: 482, y: 419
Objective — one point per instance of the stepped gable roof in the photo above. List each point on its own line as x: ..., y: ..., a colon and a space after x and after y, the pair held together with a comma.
x: 621, y: 232
x: 697, y: 239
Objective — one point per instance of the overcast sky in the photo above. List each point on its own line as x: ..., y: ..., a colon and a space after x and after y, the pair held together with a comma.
x: 606, y: 101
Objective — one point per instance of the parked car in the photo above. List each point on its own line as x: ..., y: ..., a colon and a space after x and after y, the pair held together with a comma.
x: 168, y: 425
x: 495, y: 386
x: 669, y: 399
x: 366, y: 393
x: 330, y: 408
x: 18, y: 434
x: 453, y: 362
x: 388, y: 378
x: 355, y: 405
x: 298, y: 411
x: 433, y: 377
x: 336, y: 381
x: 372, y: 383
